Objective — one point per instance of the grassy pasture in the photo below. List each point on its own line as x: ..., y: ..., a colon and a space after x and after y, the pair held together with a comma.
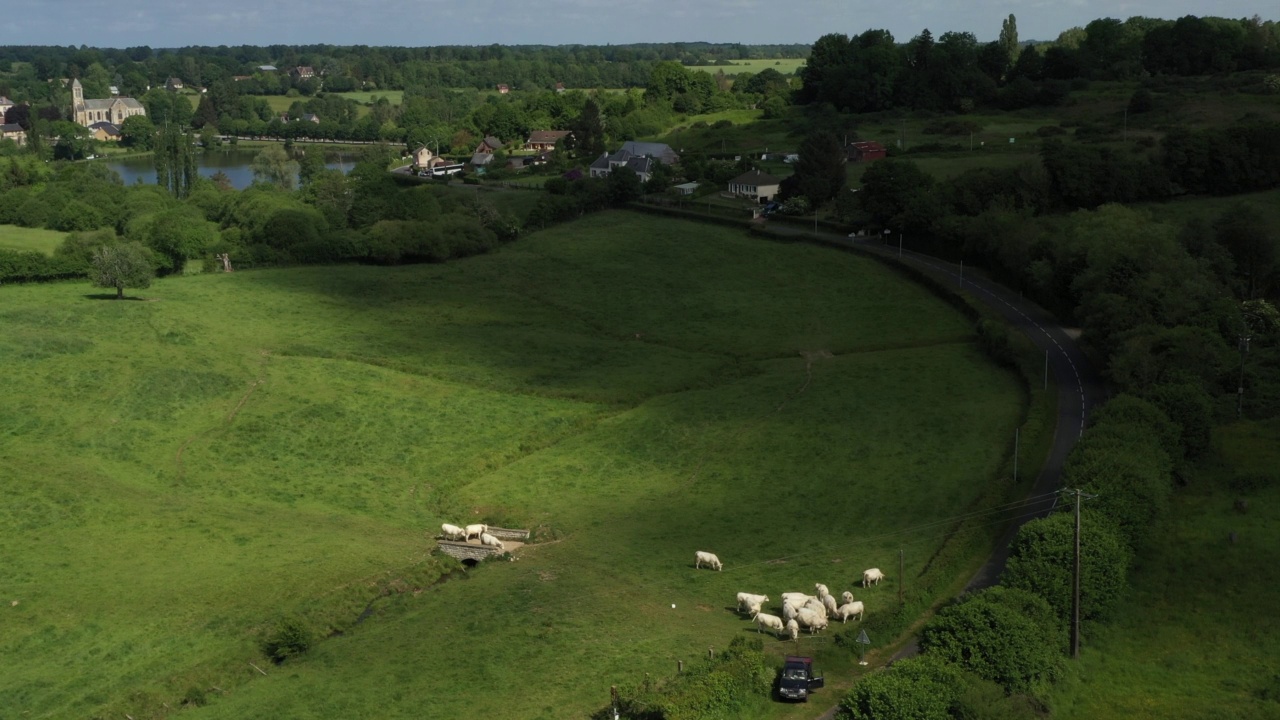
x: 395, y: 97
x: 14, y: 237
x: 1198, y: 636
x: 786, y: 66
x: 187, y: 470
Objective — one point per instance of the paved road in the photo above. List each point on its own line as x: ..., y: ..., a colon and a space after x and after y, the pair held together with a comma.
x: 1079, y: 387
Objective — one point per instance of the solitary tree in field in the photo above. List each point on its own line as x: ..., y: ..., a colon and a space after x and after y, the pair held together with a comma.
x: 127, y: 265
x: 1009, y: 37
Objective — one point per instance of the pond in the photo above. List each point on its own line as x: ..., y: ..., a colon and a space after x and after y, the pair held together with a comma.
x: 235, y: 164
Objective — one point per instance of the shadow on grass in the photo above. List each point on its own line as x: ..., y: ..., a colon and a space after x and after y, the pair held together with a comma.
x: 112, y: 296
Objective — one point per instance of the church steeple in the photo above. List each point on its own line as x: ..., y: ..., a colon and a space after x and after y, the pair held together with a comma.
x: 77, y: 102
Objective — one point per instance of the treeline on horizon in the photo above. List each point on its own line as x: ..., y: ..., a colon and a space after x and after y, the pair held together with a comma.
x: 873, y: 72
x: 362, y: 67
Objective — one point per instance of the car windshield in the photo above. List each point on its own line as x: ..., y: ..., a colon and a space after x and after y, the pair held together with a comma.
x: 794, y: 674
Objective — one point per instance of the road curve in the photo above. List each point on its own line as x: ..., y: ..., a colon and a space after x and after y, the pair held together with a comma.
x: 1079, y: 386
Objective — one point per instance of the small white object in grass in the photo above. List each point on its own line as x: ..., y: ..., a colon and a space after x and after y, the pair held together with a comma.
x: 673, y: 606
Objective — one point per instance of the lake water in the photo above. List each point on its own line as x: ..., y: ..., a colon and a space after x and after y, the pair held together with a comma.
x: 236, y: 164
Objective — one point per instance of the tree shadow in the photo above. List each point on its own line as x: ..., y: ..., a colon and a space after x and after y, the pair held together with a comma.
x: 112, y: 296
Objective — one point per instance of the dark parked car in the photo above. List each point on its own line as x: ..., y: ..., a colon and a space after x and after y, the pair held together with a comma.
x: 796, y: 679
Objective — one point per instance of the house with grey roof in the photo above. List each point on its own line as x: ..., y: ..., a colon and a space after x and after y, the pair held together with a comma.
x: 641, y: 165
x: 661, y: 151
x: 14, y: 132
x: 755, y: 185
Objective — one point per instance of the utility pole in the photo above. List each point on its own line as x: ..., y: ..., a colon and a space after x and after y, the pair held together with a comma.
x: 1244, y: 352
x: 902, y: 576
x: 1075, y: 589
x: 1046, y: 369
x: 1016, y: 438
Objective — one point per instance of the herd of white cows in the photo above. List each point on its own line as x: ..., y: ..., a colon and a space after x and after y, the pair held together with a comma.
x: 798, y: 609
x: 453, y: 532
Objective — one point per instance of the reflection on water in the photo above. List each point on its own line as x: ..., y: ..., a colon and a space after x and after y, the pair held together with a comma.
x: 235, y: 164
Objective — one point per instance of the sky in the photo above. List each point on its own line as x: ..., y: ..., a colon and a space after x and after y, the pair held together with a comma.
x: 177, y: 23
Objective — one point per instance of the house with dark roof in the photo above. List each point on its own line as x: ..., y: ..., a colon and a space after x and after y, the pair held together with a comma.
x: 489, y: 145
x: 641, y: 165
x: 503, y: 89
x: 14, y: 132
x: 173, y: 84
x: 311, y: 118
x: 559, y: 87
x: 544, y: 140
x: 755, y: 185
x: 481, y: 159
x: 105, y: 131
x: 865, y: 150
x: 302, y: 72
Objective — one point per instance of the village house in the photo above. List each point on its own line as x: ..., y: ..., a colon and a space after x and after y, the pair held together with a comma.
x: 14, y: 132
x: 302, y: 72
x: 864, y: 150
x: 559, y: 87
x: 424, y: 159
x: 266, y: 68
x: 544, y: 140
x: 503, y: 89
x: 105, y: 131
x: 113, y: 110
x: 755, y: 185
x: 310, y: 117
x: 5, y: 104
x: 173, y: 84
x: 489, y: 145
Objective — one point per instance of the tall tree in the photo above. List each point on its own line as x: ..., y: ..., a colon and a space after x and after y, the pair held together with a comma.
x: 274, y: 165
x: 1009, y: 37
x: 175, y: 162
x: 819, y: 174
x: 588, y: 131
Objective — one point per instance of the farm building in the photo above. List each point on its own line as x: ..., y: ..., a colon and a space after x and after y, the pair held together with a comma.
x: 864, y: 150
x: 489, y: 145
x: 14, y: 132
x: 755, y: 185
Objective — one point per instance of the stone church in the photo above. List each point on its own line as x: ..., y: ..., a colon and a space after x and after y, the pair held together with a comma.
x: 112, y: 110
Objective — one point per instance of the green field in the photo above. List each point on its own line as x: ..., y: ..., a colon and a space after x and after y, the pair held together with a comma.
x: 182, y: 472
x: 786, y: 66
x: 14, y: 237
x: 1198, y: 637
x: 395, y: 97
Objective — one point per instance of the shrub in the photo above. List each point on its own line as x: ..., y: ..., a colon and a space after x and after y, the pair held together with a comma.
x: 722, y: 124
x: 1041, y: 561
x: 1190, y: 408
x: 922, y: 688
x: 1005, y: 635
x: 1050, y: 130
x: 1130, y: 474
x: 289, y: 638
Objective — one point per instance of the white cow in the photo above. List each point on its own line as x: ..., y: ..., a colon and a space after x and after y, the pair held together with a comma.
x: 829, y: 603
x: 846, y: 597
x: 816, y: 606
x: 872, y: 576
x: 793, y: 629
x: 747, y: 599
x: 848, y: 610
x: 476, y: 530
x: 811, y: 620
x: 765, y: 620
x: 822, y: 590
x: 710, y: 559
x: 491, y: 541
x: 797, y: 598
x: 789, y: 611
x: 453, y: 532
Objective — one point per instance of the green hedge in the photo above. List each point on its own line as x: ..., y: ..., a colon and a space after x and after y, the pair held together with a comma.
x: 739, y: 677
